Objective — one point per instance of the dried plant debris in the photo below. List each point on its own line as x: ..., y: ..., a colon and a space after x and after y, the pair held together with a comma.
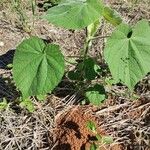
x: 128, y: 122
x: 26, y: 131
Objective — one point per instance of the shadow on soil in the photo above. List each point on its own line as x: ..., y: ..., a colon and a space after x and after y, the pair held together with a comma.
x: 6, y: 59
x: 63, y: 147
x: 7, y: 88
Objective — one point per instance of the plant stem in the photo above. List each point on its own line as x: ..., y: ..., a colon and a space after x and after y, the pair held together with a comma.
x: 86, y: 49
x: 99, y: 37
x: 84, y: 52
x: 86, y: 46
x: 33, y: 4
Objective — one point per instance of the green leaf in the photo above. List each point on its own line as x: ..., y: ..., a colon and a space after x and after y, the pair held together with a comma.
x: 99, y: 137
x: 95, y: 95
x: 87, y: 69
x: 27, y: 103
x: 91, y: 125
x: 107, y: 139
x: 91, y: 31
x: 93, y: 146
x: 37, y: 67
x: 3, y: 104
x: 127, y: 53
x: 92, y: 28
x: 33, y: 4
x: 10, y: 66
x: 112, y: 16
x: 41, y: 97
x: 74, y: 75
x: 75, y: 14
x: 90, y: 69
x: 109, y: 81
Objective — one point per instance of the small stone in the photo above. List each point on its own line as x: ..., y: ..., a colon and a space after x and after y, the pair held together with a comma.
x: 1, y: 44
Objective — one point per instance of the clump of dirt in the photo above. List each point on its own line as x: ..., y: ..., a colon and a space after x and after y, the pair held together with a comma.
x: 72, y: 132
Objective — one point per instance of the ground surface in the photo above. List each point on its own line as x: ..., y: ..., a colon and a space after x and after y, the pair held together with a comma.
x: 60, y: 122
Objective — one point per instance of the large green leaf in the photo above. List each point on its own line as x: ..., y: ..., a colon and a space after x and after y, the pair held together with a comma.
x: 127, y: 53
x: 75, y: 14
x: 37, y: 67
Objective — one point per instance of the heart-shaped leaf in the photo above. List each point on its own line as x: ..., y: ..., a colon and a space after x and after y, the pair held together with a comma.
x: 127, y: 53
x: 75, y: 14
x: 96, y: 94
x: 37, y: 67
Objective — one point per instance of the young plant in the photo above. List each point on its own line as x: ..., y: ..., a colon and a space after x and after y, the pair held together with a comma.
x: 27, y: 103
x: 128, y: 45
x: 3, y: 104
x: 99, y: 139
x: 38, y: 67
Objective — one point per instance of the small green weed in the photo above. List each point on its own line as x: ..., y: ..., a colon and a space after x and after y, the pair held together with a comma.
x: 3, y: 104
x: 100, y: 140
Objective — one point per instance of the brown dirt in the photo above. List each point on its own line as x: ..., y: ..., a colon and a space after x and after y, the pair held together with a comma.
x: 71, y: 132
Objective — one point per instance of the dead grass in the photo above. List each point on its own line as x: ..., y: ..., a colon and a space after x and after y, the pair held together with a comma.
x: 27, y: 131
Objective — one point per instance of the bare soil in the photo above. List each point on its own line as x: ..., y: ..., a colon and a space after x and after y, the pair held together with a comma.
x: 71, y: 132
